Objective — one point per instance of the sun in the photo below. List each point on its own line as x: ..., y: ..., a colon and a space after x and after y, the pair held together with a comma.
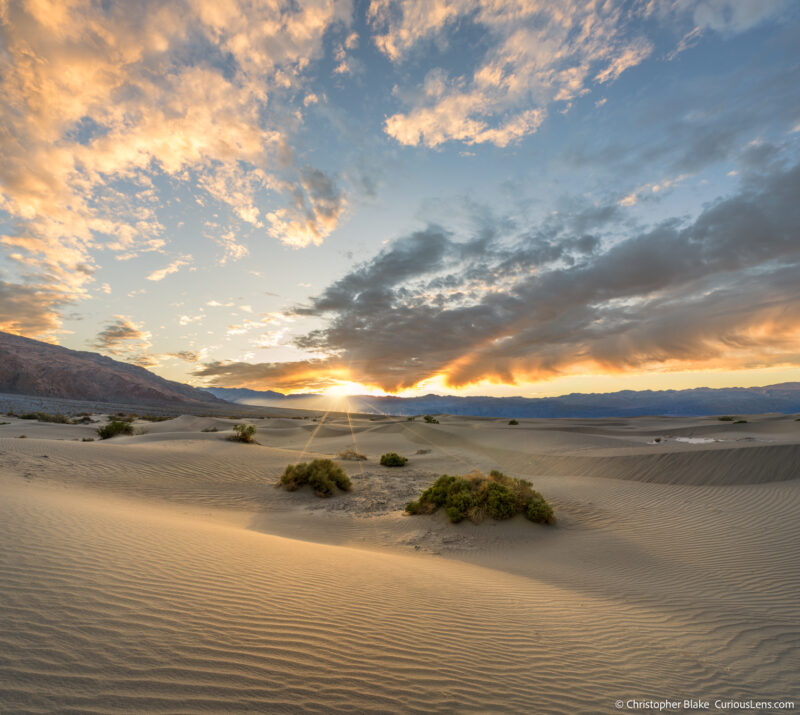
x: 343, y: 388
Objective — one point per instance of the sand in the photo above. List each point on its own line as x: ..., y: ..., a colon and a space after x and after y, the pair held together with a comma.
x: 163, y: 572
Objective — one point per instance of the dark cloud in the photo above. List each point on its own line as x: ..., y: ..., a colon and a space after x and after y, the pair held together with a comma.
x: 721, y: 291
x: 299, y: 375
x: 117, y: 333
x: 126, y: 341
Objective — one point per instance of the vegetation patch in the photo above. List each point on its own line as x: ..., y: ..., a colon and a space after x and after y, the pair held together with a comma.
x: 88, y: 439
x: 513, y: 422
x: 42, y: 417
x: 113, y: 428
x: 725, y: 418
x: 209, y: 429
x: 157, y: 418
x: 350, y: 455
x: 430, y: 419
x: 476, y: 496
x: 322, y: 475
x: 740, y: 422
x: 393, y: 459
x: 243, y: 433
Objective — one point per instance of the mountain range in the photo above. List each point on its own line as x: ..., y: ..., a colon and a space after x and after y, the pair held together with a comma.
x: 32, y: 367
x: 783, y: 398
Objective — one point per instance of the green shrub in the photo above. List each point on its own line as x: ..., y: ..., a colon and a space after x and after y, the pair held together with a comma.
x: 539, y: 511
x: 476, y: 496
x: 243, y: 433
x: 513, y: 422
x: 157, y: 418
x: 350, y: 455
x: 121, y: 417
x: 322, y: 475
x: 42, y: 417
x: 393, y: 459
x: 113, y: 428
x: 23, y: 436
x: 725, y: 418
x: 429, y: 419
x: 88, y: 439
x: 740, y: 422
x: 500, y: 502
x: 209, y: 429
x: 409, y: 419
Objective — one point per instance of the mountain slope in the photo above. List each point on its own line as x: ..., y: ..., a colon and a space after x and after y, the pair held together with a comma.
x: 31, y: 367
x: 784, y: 398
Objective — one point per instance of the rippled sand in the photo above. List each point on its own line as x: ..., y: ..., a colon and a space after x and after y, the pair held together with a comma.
x: 164, y: 572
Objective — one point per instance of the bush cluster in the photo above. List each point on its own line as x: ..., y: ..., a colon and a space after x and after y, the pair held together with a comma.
x: 393, y: 459
x: 243, y: 433
x: 322, y: 475
x: 513, y: 422
x: 113, y: 428
x: 725, y: 418
x: 430, y: 419
x: 477, y: 496
x: 42, y: 417
x: 350, y: 455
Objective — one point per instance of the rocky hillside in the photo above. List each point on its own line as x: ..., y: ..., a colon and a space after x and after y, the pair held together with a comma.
x: 31, y: 367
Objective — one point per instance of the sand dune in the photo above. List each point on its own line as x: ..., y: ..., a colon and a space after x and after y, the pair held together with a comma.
x: 163, y: 572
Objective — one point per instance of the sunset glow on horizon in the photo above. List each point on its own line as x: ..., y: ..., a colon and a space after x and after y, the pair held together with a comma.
x: 406, y: 197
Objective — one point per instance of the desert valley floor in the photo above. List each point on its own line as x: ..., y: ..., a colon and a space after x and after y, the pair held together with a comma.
x: 164, y: 572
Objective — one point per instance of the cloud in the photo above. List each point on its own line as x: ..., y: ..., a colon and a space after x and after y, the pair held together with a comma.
x: 31, y: 310
x: 185, y: 355
x: 716, y: 292
x: 125, y: 340
x: 298, y: 375
x: 97, y: 102
x: 537, y: 55
x: 173, y: 267
x: 317, y: 207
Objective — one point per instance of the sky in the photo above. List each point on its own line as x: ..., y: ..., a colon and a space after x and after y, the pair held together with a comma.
x: 499, y: 197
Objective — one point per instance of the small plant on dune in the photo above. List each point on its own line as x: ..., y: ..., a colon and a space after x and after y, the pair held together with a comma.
x: 322, y: 475
x: 4, y: 423
x: 476, y: 496
x: 740, y: 422
x: 513, y: 422
x: 209, y: 429
x: 350, y: 455
x: 243, y: 433
x: 393, y: 459
x: 43, y: 417
x: 157, y: 418
x: 657, y: 440
x: 430, y: 420
x: 88, y: 439
x: 725, y: 418
x: 409, y: 419
x: 23, y: 436
x: 121, y: 417
x: 113, y: 428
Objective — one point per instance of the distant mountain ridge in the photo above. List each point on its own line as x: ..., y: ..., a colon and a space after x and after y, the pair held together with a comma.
x: 32, y: 367
x: 782, y: 398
